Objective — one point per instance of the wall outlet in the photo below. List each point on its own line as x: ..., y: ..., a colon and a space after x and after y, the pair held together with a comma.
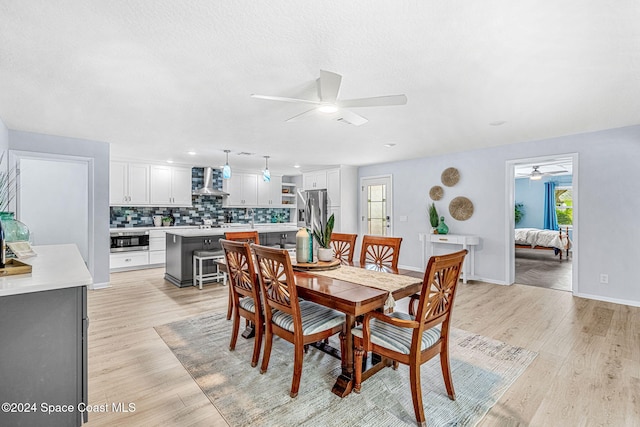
x: 604, y: 278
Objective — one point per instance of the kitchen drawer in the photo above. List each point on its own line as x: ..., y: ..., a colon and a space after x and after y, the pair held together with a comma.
x: 129, y: 259
x: 157, y: 257
x: 157, y: 243
x: 157, y: 234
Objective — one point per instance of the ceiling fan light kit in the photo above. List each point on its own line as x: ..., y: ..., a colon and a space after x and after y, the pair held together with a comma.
x: 328, y: 85
x: 536, y: 175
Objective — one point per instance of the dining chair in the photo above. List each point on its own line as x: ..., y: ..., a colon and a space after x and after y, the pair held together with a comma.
x: 298, y: 321
x: 413, y: 340
x: 380, y: 253
x: 240, y: 236
x: 344, y: 246
x: 242, y: 282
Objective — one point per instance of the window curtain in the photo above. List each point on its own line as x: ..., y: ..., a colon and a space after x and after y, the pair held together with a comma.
x: 550, y: 216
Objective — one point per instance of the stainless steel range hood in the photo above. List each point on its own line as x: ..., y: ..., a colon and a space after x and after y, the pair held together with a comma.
x: 207, y: 189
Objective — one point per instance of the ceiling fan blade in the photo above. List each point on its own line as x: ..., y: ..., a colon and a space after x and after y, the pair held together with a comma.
x: 281, y: 98
x: 351, y: 118
x: 306, y: 114
x: 376, y: 101
x: 329, y: 86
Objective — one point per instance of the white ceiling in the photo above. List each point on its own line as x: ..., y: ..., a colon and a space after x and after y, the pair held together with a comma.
x: 158, y: 78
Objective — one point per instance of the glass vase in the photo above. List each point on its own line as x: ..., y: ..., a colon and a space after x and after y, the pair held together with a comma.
x: 14, y: 230
x: 442, y: 227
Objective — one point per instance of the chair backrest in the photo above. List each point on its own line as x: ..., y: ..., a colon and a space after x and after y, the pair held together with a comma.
x: 439, y: 289
x: 243, y: 236
x: 344, y: 246
x: 242, y: 272
x: 277, y: 282
x: 380, y: 252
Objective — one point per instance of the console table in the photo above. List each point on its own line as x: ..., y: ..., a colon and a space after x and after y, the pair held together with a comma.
x: 467, y: 242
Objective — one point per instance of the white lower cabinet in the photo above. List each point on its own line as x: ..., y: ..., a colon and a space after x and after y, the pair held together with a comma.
x: 157, y: 257
x: 128, y: 259
x: 157, y: 246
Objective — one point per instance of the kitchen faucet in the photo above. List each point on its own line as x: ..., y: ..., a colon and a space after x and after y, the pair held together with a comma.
x: 250, y: 212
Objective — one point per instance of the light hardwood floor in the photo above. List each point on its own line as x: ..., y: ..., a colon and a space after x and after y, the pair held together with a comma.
x: 587, y: 371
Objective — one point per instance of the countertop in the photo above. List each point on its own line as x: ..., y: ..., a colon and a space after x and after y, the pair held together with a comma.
x: 55, y: 267
x: 260, y: 228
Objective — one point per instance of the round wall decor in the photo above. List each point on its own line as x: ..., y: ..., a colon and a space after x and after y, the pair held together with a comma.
x: 450, y: 177
x: 461, y: 208
x: 436, y: 192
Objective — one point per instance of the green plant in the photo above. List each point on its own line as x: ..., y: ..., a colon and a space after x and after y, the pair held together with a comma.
x: 7, y: 184
x: 322, y: 234
x: 433, y: 215
x: 519, y: 212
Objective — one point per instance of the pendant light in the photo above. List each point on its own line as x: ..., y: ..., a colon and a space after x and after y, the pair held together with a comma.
x: 266, y: 175
x: 226, y: 170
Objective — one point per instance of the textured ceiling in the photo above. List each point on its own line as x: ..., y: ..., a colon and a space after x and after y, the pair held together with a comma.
x: 158, y: 78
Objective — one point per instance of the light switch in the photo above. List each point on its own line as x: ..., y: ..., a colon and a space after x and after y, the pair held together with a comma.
x: 403, y: 218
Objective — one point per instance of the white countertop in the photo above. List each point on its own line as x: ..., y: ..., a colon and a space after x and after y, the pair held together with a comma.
x: 271, y: 228
x: 55, y: 267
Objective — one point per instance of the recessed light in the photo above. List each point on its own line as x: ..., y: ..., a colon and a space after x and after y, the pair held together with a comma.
x: 191, y: 153
x: 169, y: 161
x: 497, y: 123
x: 389, y: 145
x: 296, y: 166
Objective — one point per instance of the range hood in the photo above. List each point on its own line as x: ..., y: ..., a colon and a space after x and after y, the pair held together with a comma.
x: 207, y: 189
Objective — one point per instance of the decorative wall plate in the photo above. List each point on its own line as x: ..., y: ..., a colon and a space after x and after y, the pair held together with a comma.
x: 436, y: 192
x: 450, y: 177
x: 461, y: 208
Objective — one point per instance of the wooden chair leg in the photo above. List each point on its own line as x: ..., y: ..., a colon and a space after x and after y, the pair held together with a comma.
x: 446, y: 371
x: 359, y: 353
x: 234, y: 330
x: 257, y: 344
x: 297, y: 370
x: 416, y: 392
x: 230, y: 307
x: 268, y: 337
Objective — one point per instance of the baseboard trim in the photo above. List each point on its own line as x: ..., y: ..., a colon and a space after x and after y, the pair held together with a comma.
x: 103, y: 285
x: 607, y: 299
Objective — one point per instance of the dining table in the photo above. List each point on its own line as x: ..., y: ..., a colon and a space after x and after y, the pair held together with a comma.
x: 354, y: 290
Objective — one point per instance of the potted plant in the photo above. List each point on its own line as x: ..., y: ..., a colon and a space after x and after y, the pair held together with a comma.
x: 519, y: 212
x: 322, y: 234
x: 166, y: 221
x: 433, y: 218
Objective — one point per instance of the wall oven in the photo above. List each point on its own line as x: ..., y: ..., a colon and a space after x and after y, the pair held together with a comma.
x: 124, y: 241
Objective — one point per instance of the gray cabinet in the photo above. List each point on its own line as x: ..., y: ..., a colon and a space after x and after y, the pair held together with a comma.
x: 43, y: 356
x: 179, y: 256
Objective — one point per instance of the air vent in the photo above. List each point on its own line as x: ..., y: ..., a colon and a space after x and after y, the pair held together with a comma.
x: 244, y: 153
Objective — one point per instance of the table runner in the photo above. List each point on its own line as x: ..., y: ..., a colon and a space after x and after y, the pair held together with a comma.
x: 374, y: 279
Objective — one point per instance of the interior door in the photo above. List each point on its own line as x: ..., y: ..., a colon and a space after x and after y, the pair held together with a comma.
x: 376, y: 206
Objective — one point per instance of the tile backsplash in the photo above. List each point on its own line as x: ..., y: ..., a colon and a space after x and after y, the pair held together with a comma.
x: 203, y: 207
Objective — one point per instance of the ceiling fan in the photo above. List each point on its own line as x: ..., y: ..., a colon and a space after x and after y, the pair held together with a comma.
x: 536, y: 174
x: 328, y: 85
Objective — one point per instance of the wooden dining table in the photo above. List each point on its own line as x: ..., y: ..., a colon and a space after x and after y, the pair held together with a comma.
x: 353, y: 300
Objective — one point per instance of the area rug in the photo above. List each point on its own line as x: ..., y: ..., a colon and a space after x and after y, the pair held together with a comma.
x: 482, y: 369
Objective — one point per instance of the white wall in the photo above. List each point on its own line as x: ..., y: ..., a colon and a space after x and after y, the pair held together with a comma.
x: 99, y: 152
x: 4, y: 145
x: 609, y: 225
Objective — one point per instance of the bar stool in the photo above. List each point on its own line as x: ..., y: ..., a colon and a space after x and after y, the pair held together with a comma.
x: 199, y: 276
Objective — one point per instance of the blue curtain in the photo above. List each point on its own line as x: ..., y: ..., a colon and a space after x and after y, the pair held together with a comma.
x: 550, y: 217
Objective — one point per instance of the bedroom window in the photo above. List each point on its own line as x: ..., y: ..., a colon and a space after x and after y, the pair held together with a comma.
x: 564, y: 205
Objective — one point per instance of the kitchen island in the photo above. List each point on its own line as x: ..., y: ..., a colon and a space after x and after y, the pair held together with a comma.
x: 43, y: 356
x: 180, y: 245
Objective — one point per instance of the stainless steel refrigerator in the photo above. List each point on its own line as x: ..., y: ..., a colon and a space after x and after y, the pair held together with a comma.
x: 313, y: 208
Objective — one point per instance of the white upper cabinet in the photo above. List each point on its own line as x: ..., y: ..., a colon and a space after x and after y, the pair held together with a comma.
x: 170, y: 186
x: 270, y: 193
x: 128, y: 184
x: 314, y: 180
x: 242, y: 189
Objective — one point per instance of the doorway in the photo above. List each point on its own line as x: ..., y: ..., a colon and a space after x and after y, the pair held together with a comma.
x: 376, y: 206
x: 542, y: 198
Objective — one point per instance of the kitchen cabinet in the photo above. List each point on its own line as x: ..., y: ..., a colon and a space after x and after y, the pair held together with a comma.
x: 316, y: 180
x: 157, y: 246
x: 242, y: 189
x: 128, y: 184
x: 270, y: 193
x: 124, y: 260
x: 170, y: 186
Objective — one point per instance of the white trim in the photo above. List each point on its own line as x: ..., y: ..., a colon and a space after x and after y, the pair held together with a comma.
x: 409, y: 267
x: 632, y: 303
x: 98, y: 286
x: 509, y: 214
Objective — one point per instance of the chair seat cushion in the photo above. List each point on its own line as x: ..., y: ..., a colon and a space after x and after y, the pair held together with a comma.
x: 202, y: 254
x: 248, y: 304
x: 396, y: 338
x: 315, y: 318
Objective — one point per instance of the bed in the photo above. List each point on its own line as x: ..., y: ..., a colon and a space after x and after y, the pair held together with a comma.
x: 534, y: 238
